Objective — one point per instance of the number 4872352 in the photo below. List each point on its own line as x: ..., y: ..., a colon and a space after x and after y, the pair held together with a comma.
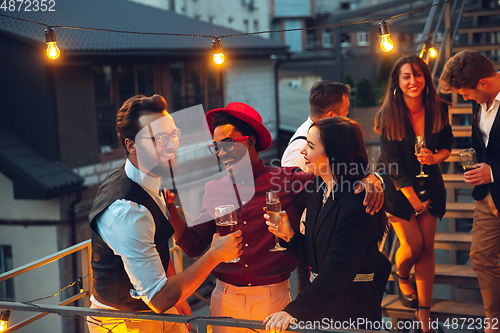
x: 28, y: 5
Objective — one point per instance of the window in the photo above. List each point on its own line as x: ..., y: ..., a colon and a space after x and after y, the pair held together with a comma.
x: 245, y: 25
x: 345, y: 5
x: 345, y: 40
x: 310, y: 39
x: 192, y: 84
x: 230, y: 21
x: 327, y: 38
x: 113, y: 85
x: 256, y: 25
x: 363, y: 38
x: 6, y: 264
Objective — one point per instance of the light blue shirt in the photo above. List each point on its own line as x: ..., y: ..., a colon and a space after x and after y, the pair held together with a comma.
x: 129, y: 229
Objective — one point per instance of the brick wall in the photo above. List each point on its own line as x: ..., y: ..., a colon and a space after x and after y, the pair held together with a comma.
x: 76, y: 115
x: 253, y: 82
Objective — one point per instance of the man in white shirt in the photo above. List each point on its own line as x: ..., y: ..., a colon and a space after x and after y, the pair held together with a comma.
x: 131, y: 228
x: 326, y: 99
x: 473, y: 76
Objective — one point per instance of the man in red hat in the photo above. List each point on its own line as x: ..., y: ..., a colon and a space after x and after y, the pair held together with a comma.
x: 257, y: 285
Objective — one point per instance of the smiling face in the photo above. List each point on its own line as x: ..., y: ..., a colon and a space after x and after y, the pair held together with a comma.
x: 224, y: 136
x: 152, y: 153
x: 315, y: 156
x: 411, y: 82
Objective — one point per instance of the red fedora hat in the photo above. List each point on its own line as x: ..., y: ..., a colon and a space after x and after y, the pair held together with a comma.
x: 249, y: 115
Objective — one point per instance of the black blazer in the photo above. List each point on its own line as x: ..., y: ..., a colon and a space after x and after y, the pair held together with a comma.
x: 399, y: 167
x: 489, y: 155
x: 338, y: 244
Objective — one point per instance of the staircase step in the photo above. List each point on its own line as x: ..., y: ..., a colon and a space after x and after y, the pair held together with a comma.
x: 440, y: 309
x: 453, y: 240
x: 454, y: 157
x: 461, y: 130
x: 455, y: 181
x: 460, y: 109
x: 460, y: 210
x: 457, y: 275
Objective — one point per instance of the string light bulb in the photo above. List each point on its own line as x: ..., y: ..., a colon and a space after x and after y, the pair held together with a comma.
x: 4, y: 318
x: 433, y: 53
x: 53, y: 51
x: 217, y: 50
x: 386, y: 43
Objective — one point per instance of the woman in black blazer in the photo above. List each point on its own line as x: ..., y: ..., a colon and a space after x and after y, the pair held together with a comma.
x: 340, y: 241
x: 413, y: 108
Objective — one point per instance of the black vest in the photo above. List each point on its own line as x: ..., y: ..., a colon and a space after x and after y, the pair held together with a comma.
x: 111, y: 282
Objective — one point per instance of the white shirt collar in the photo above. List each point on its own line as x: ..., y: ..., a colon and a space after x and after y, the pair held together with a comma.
x: 136, y: 175
x: 494, y: 105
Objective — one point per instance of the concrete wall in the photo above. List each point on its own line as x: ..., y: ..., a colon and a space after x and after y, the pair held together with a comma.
x: 252, y: 82
x: 15, y: 209
x: 30, y: 243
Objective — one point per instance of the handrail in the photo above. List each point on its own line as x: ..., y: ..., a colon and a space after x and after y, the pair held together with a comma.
x: 43, y: 261
x: 201, y: 322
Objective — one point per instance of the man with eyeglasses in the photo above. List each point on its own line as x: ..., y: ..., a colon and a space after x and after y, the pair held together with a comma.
x: 130, y: 222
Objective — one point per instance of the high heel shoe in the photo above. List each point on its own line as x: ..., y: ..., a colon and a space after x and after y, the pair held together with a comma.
x: 415, y: 315
x: 409, y: 301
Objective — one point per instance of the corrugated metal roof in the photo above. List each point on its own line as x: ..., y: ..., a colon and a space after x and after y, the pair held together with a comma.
x: 127, y: 16
x: 34, y: 177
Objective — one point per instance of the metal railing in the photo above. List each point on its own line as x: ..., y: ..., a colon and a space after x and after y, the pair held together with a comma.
x: 85, y: 250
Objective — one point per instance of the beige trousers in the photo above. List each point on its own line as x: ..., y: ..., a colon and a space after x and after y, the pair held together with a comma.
x: 256, y: 303
x: 119, y: 325
x: 485, y: 254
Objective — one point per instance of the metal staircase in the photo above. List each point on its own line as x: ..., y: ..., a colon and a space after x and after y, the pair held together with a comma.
x: 476, y: 27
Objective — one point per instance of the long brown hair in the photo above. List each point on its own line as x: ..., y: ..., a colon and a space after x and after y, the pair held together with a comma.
x: 390, y: 118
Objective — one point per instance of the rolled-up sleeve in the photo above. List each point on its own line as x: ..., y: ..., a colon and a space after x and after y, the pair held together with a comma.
x: 129, y: 229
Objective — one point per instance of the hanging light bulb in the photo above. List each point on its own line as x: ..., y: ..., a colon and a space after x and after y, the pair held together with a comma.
x: 53, y: 51
x: 386, y: 43
x: 4, y: 318
x: 433, y: 53
x: 217, y: 50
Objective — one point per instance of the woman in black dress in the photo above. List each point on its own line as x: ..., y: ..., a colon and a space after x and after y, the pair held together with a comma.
x: 413, y: 108
x: 340, y: 241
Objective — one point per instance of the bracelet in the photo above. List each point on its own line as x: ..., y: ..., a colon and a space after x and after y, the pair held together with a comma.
x: 379, y: 177
x: 418, y: 213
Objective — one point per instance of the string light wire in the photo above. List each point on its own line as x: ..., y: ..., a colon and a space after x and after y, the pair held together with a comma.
x: 233, y: 35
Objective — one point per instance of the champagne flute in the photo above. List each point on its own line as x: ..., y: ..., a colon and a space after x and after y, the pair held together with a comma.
x: 225, y: 220
x: 468, y: 158
x: 419, y: 145
x: 273, y: 204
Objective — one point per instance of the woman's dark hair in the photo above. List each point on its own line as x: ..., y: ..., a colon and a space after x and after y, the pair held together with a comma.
x: 127, y: 118
x: 343, y: 142
x: 344, y: 146
x: 390, y: 119
x: 221, y: 118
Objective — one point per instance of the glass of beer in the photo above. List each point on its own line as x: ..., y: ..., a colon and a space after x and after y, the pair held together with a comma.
x: 225, y: 220
x: 273, y: 204
x: 468, y: 158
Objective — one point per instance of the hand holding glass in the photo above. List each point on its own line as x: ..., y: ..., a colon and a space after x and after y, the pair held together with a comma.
x: 273, y: 204
x: 225, y: 220
x: 468, y: 158
x: 419, y: 145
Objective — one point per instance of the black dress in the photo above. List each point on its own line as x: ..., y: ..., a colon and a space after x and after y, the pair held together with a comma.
x: 399, y: 167
x: 340, y: 242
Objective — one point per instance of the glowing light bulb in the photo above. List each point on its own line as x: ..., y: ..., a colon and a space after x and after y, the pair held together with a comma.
x: 4, y: 318
x: 386, y: 43
x: 219, y: 58
x: 217, y: 50
x: 52, y: 51
x: 433, y: 53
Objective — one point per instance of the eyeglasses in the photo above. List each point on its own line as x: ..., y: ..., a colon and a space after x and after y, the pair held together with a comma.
x: 227, y: 145
x: 162, y: 140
